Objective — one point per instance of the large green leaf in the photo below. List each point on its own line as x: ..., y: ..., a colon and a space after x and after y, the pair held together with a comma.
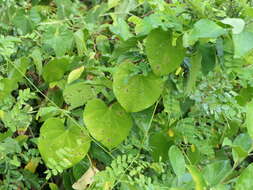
x: 244, y: 181
x: 54, y: 70
x: 59, y: 38
x: 177, y: 160
x: 243, y: 43
x: 62, y: 147
x: 205, y: 28
x: 78, y: 94
x: 215, y: 172
x: 108, y: 125
x: 163, y: 57
x: 137, y: 92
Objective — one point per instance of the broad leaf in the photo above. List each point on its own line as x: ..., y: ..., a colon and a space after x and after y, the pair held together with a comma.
x: 237, y: 24
x: 108, y: 125
x: 160, y: 146
x: 163, y: 57
x: 62, y: 147
x: 243, y: 43
x: 245, y: 179
x: 241, y: 147
x: 177, y: 160
x: 59, y: 38
x: 54, y: 70
x: 205, y: 28
x: 78, y: 94
x: 215, y: 172
x: 138, y: 92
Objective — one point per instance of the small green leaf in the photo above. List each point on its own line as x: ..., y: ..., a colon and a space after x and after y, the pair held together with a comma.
x: 80, y: 42
x: 54, y: 70
x: 249, y: 118
x: 108, y: 125
x: 195, y: 70
x: 163, y: 57
x: 78, y: 94
x: 177, y: 160
x: 75, y: 74
x: 197, y: 177
x: 37, y: 59
x: 244, y: 181
x: 138, y: 92
x: 59, y: 147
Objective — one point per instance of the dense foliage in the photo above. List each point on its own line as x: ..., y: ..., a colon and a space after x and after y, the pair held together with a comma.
x: 126, y: 94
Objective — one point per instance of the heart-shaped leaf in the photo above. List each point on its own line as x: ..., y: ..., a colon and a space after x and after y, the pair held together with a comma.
x: 59, y: 147
x: 55, y: 69
x: 78, y: 94
x: 108, y: 125
x: 138, y: 92
x: 163, y: 57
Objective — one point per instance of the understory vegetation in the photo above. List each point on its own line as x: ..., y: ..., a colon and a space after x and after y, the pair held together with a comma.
x: 126, y: 94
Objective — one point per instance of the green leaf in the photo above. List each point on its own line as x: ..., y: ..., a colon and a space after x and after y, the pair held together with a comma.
x: 197, y: 177
x: 215, y: 172
x: 249, y: 118
x: 138, y: 92
x: 120, y: 27
x: 241, y: 147
x: 62, y: 147
x: 163, y: 57
x: 113, y: 3
x: 80, y: 42
x: 53, y: 186
x: 54, y: 70
x: 23, y: 22
x: 75, y: 74
x: 208, y: 61
x: 64, y: 8
x: 59, y: 38
x: 205, y: 28
x: 237, y: 24
x: 109, y: 125
x: 243, y: 44
x: 78, y: 94
x: 245, y: 179
x: 195, y: 70
x: 177, y: 160
x: 37, y: 59
x: 160, y: 146
x: 18, y: 69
